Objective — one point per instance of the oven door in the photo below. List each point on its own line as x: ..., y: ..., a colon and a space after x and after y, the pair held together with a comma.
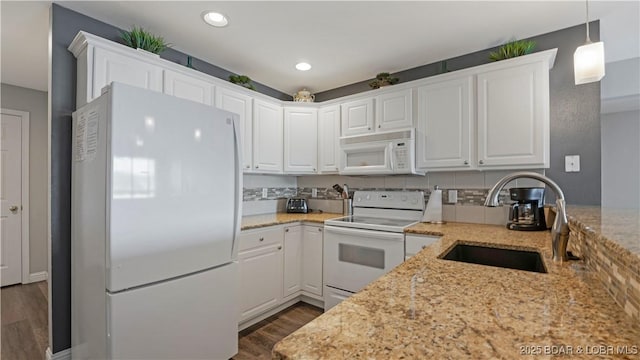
x: 355, y: 257
x: 366, y: 158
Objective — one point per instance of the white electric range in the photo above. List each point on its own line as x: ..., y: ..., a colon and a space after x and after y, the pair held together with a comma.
x: 360, y: 248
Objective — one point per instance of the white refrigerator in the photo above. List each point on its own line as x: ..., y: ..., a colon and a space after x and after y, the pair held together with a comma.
x: 156, y: 206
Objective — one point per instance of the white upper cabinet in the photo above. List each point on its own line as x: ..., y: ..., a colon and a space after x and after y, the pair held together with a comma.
x: 242, y: 105
x: 357, y: 117
x: 393, y: 110
x: 513, y: 116
x: 444, y: 136
x: 328, y: 139
x: 188, y: 87
x: 300, y: 140
x: 267, y: 137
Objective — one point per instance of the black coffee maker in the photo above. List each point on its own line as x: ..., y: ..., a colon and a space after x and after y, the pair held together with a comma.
x: 527, y: 213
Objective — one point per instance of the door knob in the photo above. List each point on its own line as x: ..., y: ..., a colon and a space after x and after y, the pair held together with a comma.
x: 13, y: 209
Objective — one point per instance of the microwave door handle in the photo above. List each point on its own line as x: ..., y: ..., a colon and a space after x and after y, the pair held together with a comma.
x: 392, y: 165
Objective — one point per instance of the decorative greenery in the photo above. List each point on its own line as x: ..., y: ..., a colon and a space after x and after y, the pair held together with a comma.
x: 242, y: 80
x: 139, y: 38
x: 383, y: 79
x: 513, y: 49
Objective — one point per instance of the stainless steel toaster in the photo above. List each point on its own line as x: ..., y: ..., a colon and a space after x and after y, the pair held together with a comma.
x: 297, y: 205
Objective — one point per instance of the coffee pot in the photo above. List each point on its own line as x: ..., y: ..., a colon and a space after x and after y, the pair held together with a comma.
x: 527, y: 213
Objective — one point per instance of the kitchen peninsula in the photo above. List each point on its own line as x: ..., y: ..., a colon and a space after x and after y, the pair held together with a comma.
x: 462, y: 310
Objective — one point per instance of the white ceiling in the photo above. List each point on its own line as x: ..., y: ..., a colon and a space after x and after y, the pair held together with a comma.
x: 345, y: 42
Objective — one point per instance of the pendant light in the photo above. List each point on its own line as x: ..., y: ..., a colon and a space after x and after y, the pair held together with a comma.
x: 588, y: 60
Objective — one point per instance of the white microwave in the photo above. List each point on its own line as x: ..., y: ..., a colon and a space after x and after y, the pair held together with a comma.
x: 379, y: 154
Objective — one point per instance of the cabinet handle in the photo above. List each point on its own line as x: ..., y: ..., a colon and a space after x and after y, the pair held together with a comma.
x: 314, y: 169
x: 279, y: 247
x: 424, y: 246
x: 368, y: 128
x: 481, y: 162
x: 261, y: 239
x: 319, y: 229
x: 256, y: 166
x: 286, y: 230
x: 466, y: 162
x: 379, y: 126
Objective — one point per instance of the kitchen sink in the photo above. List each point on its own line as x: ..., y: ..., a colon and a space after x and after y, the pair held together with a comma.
x: 499, y: 257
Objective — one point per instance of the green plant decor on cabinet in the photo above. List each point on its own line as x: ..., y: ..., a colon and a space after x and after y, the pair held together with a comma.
x: 139, y: 38
x: 383, y: 79
x: 513, y: 49
x: 242, y: 80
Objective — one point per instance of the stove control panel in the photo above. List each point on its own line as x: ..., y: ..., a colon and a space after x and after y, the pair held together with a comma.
x: 410, y: 200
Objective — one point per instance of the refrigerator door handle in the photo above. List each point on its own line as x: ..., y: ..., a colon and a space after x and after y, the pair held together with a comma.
x: 238, y: 189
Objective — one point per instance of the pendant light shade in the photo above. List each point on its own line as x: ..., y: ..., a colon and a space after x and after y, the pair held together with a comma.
x: 588, y: 60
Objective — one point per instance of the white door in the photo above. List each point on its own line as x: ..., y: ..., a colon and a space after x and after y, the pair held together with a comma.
x: 239, y: 104
x: 328, y: 139
x: 445, y: 114
x: 357, y: 117
x: 393, y: 110
x: 312, y: 259
x: 188, y: 87
x: 267, y: 137
x: 10, y: 198
x: 260, y: 279
x: 110, y: 66
x: 300, y: 141
x: 513, y: 117
x: 292, y: 260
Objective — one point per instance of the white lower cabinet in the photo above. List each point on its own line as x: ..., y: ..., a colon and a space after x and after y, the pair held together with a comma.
x: 312, y: 240
x: 292, y: 260
x: 413, y: 244
x: 260, y: 262
x: 278, y: 264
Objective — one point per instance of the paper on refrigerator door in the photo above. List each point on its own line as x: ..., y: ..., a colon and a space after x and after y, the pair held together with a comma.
x: 86, y: 140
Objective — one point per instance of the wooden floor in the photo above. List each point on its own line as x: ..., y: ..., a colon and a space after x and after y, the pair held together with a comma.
x: 23, y: 308
x: 257, y: 341
x: 25, y: 335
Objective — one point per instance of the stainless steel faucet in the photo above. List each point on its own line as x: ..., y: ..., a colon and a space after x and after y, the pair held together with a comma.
x: 560, y: 229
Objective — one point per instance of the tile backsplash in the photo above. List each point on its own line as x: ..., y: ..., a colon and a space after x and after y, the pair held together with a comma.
x: 472, y: 188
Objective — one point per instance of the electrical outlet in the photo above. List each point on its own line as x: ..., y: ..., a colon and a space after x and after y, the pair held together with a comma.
x: 572, y: 163
x: 264, y: 193
x: 314, y: 192
x: 452, y: 196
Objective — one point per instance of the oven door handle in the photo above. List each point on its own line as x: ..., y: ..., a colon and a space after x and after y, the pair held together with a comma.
x: 368, y: 233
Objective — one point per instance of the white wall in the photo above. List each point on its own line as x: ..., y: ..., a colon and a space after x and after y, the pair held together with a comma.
x: 34, y: 102
x: 621, y: 159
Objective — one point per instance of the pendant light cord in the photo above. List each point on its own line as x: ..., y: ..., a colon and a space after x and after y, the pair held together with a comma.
x: 587, y: 5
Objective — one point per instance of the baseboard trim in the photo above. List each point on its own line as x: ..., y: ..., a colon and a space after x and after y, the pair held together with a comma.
x: 60, y: 355
x: 39, y: 276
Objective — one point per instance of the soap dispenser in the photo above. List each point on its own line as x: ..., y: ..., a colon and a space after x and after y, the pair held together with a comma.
x: 433, y: 212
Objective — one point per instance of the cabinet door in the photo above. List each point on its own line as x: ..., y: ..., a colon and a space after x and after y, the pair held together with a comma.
x: 292, y: 260
x: 188, y: 87
x: 357, y: 117
x: 328, y: 139
x: 239, y: 104
x: 393, y: 110
x: 110, y: 66
x: 267, y: 137
x: 312, y: 239
x: 260, y: 279
x: 413, y: 244
x: 513, y: 117
x: 300, y: 140
x: 445, y: 130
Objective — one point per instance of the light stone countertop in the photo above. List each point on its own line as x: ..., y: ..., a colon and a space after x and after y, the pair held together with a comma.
x: 258, y: 221
x: 463, y: 310
x: 620, y: 226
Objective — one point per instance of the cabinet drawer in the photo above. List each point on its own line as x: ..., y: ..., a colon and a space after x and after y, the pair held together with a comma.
x: 413, y: 244
x: 250, y: 239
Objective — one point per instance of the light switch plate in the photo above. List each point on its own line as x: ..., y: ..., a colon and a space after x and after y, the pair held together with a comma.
x: 572, y: 163
x: 314, y: 192
x: 264, y: 193
x: 452, y: 197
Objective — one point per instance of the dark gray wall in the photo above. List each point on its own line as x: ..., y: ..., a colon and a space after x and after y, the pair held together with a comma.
x: 65, y: 25
x: 574, y: 110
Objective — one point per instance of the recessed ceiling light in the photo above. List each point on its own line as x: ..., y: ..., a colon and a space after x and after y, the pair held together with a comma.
x: 215, y: 19
x: 303, y: 66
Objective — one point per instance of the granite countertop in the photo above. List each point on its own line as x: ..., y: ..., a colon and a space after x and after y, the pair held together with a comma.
x: 257, y: 221
x: 620, y: 226
x: 471, y: 311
